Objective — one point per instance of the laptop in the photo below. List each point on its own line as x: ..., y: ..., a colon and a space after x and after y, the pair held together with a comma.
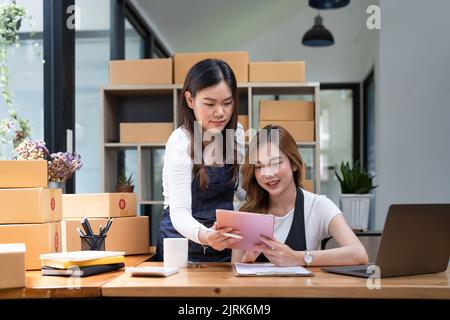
x: 415, y: 240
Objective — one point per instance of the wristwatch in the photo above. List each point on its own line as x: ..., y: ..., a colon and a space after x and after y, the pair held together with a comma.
x: 307, y: 258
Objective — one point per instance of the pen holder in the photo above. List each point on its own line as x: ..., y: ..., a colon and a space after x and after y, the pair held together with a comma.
x: 93, y: 243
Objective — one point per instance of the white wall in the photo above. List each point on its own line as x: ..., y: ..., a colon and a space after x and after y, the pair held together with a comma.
x: 337, y: 63
x: 413, y: 120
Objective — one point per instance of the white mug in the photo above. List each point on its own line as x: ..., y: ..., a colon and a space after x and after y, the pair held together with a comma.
x: 176, y: 252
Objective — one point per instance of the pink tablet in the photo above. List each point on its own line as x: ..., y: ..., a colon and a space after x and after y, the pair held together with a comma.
x: 250, y: 225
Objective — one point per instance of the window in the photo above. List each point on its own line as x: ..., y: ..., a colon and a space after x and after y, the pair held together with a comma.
x: 92, y: 49
x: 134, y: 42
x: 339, y: 133
x: 26, y: 74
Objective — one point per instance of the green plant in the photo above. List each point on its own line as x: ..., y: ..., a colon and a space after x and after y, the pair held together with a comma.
x: 124, y: 180
x: 355, y: 180
x: 14, y: 129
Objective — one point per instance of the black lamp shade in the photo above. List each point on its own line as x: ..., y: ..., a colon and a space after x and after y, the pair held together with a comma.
x: 328, y: 4
x: 318, y: 35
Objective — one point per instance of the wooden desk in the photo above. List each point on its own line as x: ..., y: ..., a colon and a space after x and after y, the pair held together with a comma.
x: 38, y: 286
x: 217, y: 280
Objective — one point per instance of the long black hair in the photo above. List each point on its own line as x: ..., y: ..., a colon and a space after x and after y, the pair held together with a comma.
x: 204, y: 74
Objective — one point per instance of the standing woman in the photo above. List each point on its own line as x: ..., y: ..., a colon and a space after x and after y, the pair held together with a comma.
x: 195, y: 186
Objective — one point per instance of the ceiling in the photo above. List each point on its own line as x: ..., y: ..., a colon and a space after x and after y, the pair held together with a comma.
x: 202, y: 25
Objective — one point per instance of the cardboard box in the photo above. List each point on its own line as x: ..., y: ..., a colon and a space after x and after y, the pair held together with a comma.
x: 308, y: 185
x: 23, y: 174
x: 12, y: 265
x: 145, y: 132
x: 38, y: 238
x: 30, y: 205
x: 238, y: 61
x: 286, y: 110
x: 129, y: 234
x: 244, y: 121
x: 302, y: 131
x: 99, y: 205
x: 144, y: 71
x: 280, y: 71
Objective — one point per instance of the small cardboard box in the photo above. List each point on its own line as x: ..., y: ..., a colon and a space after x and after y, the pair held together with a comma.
x: 30, y: 205
x: 144, y: 71
x: 286, y: 110
x: 129, y: 234
x: 99, y: 205
x: 38, y: 238
x: 145, y: 132
x: 308, y: 185
x: 23, y: 174
x: 238, y: 61
x: 242, y: 119
x: 12, y: 265
x: 279, y: 71
x: 302, y: 131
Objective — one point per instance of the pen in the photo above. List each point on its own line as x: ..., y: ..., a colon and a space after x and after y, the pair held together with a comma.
x: 80, y: 232
x: 106, y: 229
x: 87, y: 226
x: 232, y: 235
x: 228, y: 234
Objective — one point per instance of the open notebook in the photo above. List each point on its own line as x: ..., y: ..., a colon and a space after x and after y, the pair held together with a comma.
x: 268, y: 269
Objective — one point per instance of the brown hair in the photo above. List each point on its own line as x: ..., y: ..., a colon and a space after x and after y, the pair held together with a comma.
x: 257, y: 197
x: 204, y: 74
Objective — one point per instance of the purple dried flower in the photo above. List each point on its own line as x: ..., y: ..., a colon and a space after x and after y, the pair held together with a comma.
x: 31, y: 150
x: 62, y: 166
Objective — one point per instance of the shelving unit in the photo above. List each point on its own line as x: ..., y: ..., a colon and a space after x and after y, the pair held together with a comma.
x: 158, y: 103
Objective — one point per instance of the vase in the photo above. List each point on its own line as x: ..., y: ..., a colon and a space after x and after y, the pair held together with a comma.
x: 355, y: 208
x: 124, y: 188
x: 57, y: 185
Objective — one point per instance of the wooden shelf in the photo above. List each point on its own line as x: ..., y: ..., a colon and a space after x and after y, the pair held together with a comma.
x: 152, y: 202
x: 134, y: 145
x: 159, y: 103
x: 132, y: 89
x: 306, y: 144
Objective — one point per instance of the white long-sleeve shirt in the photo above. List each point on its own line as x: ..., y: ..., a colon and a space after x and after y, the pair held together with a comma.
x: 177, y: 179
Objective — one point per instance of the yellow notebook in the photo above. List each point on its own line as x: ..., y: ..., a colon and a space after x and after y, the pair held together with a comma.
x: 66, y: 260
x: 70, y: 264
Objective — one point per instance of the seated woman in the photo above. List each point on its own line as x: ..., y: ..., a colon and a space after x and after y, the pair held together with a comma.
x: 272, y: 180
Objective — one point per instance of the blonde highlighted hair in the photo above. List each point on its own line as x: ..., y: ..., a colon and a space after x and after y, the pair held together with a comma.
x: 258, y: 198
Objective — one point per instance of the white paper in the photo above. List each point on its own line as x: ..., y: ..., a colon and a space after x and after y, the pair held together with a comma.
x: 152, y: 271
x: 267, y: 269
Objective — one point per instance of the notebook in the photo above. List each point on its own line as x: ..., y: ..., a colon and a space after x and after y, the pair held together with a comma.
x: 250, y: 225
x: 82, y: 271
x: 152, y: 271
x: 268, y: 269
x: 65, y: 260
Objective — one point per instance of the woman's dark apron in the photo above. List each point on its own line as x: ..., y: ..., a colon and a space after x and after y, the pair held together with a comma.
x: 296, y: 238
x: 218, y: 194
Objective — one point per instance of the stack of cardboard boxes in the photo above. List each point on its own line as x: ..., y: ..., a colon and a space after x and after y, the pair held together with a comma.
x: 173, y: 71
x: 128, y: 232
x: 29, y: 212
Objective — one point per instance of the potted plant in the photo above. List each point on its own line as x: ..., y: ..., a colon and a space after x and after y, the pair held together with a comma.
x: 61, y: 166
x: 125, y: 184
x: 355, y: 199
